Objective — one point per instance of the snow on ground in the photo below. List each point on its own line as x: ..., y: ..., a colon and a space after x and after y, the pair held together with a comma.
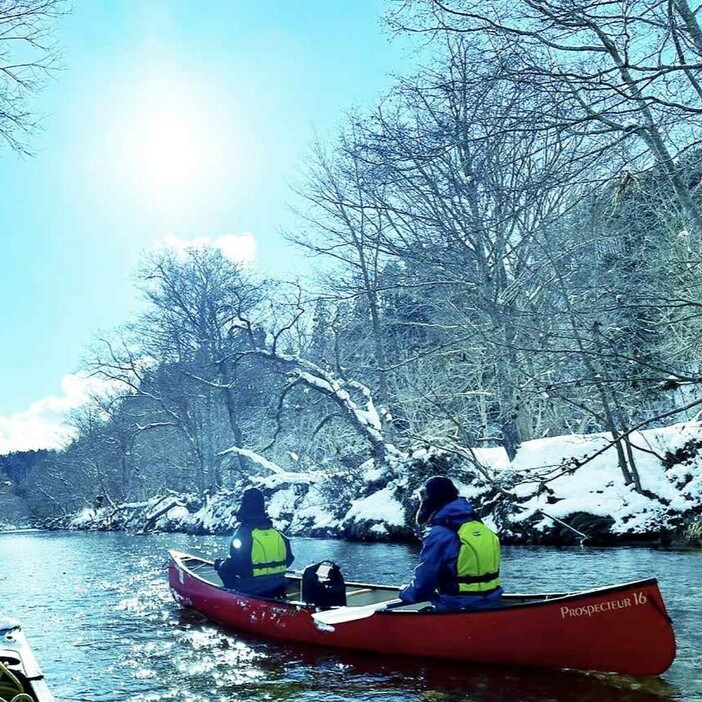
x: 495, y: 457
x: 373, y: 473
x: 281, y: 504
x: 176, y: 514
x: 381, y: 506
x: 85, y: 516
x: 550, y: 478
x: 314, y: 512
x: 564, y: 475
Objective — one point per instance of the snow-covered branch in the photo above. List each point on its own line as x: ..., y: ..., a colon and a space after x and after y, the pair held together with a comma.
x: 280, y: 474
x: 353, y: 398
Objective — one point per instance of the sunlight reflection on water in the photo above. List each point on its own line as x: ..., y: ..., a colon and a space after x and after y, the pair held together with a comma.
x: 100, y: 617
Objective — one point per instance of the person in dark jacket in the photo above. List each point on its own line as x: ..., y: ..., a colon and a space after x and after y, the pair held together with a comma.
x: 459, y: 564
x: 259, y: 554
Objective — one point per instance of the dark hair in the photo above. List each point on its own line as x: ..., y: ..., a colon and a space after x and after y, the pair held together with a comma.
x: 436, y: 492
x: 252, y: 507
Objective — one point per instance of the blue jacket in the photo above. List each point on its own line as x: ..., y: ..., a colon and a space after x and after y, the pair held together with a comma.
x: 435, y: 578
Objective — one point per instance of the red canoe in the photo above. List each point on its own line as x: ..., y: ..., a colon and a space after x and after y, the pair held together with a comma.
x: 622, y: 628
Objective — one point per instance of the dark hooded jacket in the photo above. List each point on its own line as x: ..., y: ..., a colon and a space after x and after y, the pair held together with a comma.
x: 236, y: 570
x: 435, y: 579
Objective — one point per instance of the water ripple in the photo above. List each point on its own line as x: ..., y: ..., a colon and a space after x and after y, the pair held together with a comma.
x: 105, y: 628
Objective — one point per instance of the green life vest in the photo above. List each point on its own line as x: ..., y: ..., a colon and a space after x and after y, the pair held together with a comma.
x: 268, y: 552
x: 478, y: 564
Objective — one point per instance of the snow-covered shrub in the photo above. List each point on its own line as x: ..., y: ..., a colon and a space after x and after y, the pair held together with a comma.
x: 693, y: 533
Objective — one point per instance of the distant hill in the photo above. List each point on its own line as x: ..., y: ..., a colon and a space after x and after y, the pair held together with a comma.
x: 17, y: 465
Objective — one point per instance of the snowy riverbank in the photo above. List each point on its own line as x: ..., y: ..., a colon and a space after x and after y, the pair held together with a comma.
x: 554, y: 487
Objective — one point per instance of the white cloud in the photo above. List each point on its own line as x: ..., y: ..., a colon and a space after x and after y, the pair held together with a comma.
x: 240, y: 248
x: 41, y: 425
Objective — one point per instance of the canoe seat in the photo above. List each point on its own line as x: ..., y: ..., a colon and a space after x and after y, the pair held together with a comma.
x: 360, y: 591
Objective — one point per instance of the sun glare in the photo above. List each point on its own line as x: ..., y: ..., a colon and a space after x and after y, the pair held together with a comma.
x: 168, y: 150
x: 171, y: 148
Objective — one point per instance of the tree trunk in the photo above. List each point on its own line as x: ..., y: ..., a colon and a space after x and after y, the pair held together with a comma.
x: 233, y: 414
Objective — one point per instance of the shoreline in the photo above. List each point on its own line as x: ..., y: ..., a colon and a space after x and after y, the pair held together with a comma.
x: 625, y: 541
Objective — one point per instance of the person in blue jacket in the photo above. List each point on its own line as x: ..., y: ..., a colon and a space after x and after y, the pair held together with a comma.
x: 459, y: 565
x: 259, y: 554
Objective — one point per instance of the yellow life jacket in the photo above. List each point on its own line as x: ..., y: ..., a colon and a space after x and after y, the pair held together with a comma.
x: 268, y: 552
x: 478, y: 564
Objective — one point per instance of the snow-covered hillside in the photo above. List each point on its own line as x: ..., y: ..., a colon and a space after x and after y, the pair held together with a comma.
x: 557, y: 489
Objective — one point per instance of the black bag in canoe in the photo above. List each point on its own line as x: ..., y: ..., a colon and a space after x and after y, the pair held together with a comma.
x: 323, y: 585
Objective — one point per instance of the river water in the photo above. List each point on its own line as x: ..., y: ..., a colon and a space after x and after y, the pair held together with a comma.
x: 98, y: 613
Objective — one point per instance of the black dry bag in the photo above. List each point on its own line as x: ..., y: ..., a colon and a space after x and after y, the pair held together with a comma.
x: 323, y: 585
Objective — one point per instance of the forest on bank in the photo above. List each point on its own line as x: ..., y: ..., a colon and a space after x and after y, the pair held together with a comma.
x: 507, y: 247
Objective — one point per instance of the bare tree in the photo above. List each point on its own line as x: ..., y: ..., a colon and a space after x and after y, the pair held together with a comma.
x: 340, y: 225
x: 177, y: 357
x: 621, y: 72
x: 463, y: 192
x: 27, y: 57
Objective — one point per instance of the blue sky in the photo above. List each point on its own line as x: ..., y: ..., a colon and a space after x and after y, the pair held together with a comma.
x: 172, y: 117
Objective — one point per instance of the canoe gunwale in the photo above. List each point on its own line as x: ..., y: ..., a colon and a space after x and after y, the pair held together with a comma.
x: 14, y: 643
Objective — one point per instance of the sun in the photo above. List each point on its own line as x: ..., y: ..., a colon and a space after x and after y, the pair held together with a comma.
x: 168, y: 149
x: 171, y: 146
